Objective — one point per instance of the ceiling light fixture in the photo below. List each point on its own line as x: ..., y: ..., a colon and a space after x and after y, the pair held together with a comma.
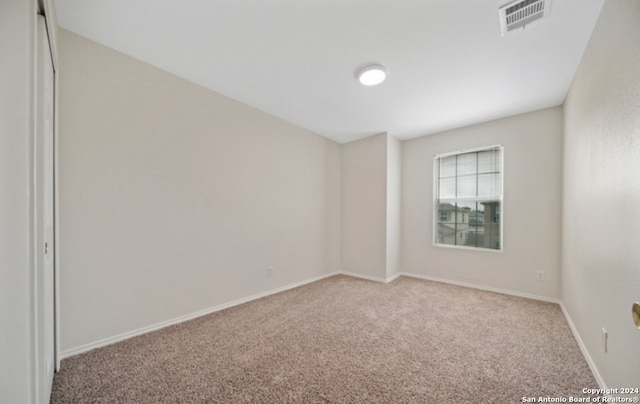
x: 372, y: 75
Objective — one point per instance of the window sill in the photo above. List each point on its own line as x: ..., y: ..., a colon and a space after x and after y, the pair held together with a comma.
x: 461, y: 247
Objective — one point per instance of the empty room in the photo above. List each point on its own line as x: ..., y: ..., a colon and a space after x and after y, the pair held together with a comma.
x: 310, y: 201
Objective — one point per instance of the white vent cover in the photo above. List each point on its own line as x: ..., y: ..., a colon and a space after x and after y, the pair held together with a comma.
x: 519, y: 13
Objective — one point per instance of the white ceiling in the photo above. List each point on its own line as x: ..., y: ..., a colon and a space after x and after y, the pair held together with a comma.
x: 448, y: 65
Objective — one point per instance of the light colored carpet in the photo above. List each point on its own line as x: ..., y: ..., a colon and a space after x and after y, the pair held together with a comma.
x: 343, y: 340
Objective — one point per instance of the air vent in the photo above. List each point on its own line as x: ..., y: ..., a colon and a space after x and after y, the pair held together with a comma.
x: 519, y: 13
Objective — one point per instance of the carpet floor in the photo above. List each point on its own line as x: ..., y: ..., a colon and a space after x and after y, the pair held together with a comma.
x: 343, y: 340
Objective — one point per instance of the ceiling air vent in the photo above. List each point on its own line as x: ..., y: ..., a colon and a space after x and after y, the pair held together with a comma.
x: 519, y: 13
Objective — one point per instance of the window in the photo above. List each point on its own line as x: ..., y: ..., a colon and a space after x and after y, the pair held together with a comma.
x: 468, y: 198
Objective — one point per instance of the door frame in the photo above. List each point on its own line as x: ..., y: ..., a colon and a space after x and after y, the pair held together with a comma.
x: 49, y: 12
x: 46, y: 9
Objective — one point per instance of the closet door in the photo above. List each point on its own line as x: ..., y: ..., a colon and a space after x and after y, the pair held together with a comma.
x: 44, y: 216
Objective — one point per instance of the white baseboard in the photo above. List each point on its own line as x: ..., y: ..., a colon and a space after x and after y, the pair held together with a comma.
x: 481, y: 287
x: 372, y: 278
x: 187, y: 317
x: 583, y: 348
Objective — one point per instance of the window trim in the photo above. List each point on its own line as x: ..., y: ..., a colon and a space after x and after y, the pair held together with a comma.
x: 436, y: 200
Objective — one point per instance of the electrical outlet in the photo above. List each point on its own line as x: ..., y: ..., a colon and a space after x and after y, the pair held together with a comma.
x: 540, y: 276
x: 270, y: 271
x: 605, y: 340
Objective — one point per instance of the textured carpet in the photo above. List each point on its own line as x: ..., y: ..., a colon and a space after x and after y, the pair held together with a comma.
x: 340, y: 340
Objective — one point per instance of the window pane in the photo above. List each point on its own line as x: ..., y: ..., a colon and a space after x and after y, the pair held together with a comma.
x: 489, y: 185
x: 447, y: 188
x: 463, y: 213
x: 476, y: 226
x: 467, y: 164
x: 489, y: 161
x: 488, y: 225
x: 445, y: 233
x: 447, y: 166
x: 466, y: 187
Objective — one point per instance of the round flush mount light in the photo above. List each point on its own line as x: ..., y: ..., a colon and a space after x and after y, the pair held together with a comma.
x: 372, y: 75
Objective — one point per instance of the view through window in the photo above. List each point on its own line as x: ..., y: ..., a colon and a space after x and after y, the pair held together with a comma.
x: 468, y: 198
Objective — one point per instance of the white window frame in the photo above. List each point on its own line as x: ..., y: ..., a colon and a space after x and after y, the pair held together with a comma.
x: 437, y: 201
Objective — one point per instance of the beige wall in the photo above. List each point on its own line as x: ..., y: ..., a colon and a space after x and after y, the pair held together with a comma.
x: 394, y: 216
x: 601, y: 213
x: 174, y: 199
x: 532, y: 203
x: 17, y: 372
x: 371, y: 184
x: 364, y: 206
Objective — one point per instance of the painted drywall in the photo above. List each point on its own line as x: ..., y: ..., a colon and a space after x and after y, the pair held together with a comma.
x: 394, y: 218
x: 532, y: 204
x: 371, y: 220
x: 364, y: 207
x: 601, y: 209
x: 17, y: 30
x: 175, y: 199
